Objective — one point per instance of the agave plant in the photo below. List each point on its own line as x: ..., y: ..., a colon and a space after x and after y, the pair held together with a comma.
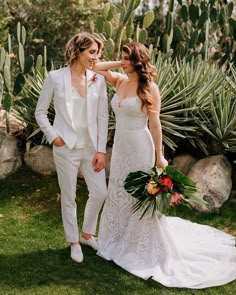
x: 176, y: 96
x: 187, y: 89
x: 220, y: 121
x: 26, y: 105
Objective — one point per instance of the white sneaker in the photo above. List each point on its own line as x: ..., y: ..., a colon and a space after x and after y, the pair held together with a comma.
x: 76, y: 253
x: 92, y: 242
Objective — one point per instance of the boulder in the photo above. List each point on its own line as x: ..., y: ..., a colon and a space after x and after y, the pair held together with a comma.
x: 183, y: 163
x: 40, y: 159
x: 10, y: 158
x: 213, y: 178
x: 16, y: 125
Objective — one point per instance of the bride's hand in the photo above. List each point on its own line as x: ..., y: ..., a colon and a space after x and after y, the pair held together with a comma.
x: 161, y: 162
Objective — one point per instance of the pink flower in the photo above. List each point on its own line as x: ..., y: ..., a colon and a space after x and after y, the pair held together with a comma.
x: 176, y: 199
x: 11, y: 55
x: 167, y: 180
x: 93, y: 80
x: 152, y: 187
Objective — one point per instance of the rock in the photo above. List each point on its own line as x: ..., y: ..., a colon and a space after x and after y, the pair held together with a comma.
x: 16, y: 125
x: 213, y: 177
x: 10, y: 159
x: 40, y: 159
x: 183, y: 163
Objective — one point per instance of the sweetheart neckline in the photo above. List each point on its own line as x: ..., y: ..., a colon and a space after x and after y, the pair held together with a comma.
x: 119, y: 101
x: 126, y: 97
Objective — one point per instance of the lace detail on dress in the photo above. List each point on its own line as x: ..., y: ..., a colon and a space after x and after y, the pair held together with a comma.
x: 170, y: 250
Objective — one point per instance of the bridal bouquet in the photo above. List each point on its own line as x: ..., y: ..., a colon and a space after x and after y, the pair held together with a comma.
x: 161, y: 190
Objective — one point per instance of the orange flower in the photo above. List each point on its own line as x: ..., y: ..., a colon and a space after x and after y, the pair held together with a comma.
x: 152, y: 187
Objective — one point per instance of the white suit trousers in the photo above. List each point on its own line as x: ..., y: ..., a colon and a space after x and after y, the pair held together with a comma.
x: 68, y: 162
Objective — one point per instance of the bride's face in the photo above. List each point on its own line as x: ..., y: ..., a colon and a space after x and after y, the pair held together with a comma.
x: 126, y: 65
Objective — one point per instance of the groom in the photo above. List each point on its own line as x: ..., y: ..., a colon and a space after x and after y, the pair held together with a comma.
x: 78, y: 135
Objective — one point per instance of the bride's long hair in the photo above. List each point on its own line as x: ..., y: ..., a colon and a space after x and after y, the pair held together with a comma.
x: 140, y: 58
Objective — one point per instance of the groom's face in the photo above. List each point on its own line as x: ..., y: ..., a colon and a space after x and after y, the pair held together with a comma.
x: 89, y: 56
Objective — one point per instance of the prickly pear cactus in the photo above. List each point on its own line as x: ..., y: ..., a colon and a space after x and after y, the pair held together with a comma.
x: 116, y: 26
x: 12, y: 79
x: 206, y: 29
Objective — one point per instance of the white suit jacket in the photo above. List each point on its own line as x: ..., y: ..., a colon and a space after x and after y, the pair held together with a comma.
x: 58, y: 87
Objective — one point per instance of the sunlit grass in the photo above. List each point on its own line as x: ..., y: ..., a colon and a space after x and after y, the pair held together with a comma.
x: 34, y: 257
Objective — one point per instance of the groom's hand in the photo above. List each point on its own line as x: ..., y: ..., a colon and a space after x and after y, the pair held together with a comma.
x: 99, y: 162
x: 58, y: 141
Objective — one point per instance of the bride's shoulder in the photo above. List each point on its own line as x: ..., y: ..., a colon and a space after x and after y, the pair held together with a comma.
x: 120, y: 79
x: 154, y: 88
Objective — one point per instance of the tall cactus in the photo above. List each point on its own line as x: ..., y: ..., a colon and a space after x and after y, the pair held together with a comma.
x: 114, y: 33
x: 12, y: 80
x: 168, y: 33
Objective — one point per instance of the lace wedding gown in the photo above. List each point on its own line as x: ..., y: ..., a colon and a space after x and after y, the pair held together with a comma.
x: 170, y: 250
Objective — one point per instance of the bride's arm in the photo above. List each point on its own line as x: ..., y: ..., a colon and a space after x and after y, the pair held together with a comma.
x: 104, y: 68
x: 155, y: 127
x: 106, y: 65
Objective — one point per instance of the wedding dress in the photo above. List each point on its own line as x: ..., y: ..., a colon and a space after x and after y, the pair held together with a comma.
x: 170, y: 250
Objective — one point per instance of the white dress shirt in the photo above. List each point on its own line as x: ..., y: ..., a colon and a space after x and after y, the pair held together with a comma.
x: 80, y: 120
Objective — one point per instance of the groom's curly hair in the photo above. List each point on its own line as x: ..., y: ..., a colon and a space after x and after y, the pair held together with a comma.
x: 78, y: 44
x: 140, y: 58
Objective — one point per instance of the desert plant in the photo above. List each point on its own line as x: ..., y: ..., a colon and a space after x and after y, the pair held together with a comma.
x: 116, y: 27
x: 187, y: 89
x: 14, y: 68
x: 219, y: 122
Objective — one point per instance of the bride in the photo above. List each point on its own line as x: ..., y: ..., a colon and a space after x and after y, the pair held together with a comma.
x: 170, y: 250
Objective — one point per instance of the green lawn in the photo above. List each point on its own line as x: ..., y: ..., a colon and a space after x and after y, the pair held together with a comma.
x: 34, y: 257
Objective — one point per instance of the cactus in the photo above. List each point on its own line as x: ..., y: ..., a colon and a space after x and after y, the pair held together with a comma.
x: 184, y: 13
x: 8, y: 61
x: 143, y: 36
x: 7, y: 78
x: 39, y: 62
x: 197, y: 28
x: 21, y: 55
x: 148, y: 19
x: 114, y: 33
x: 202, y: 19
x: 109, y: 48
x: 193, y: 39
x: 9, y: 43
x: 29, y: 63
x: 7, y: 101
x: 106, y: 10
x: 23, y: 35
x: 18, y: 85
x: 108, y: 29
x: 12, y: 80
x: 99, y: 24
x: 2, y: 58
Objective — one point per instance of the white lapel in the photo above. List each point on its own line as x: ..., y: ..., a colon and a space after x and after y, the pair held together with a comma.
x: 91, y: 87
x: 68, y: 91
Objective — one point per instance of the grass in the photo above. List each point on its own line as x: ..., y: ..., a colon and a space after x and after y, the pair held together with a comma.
x: 34, y: 257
